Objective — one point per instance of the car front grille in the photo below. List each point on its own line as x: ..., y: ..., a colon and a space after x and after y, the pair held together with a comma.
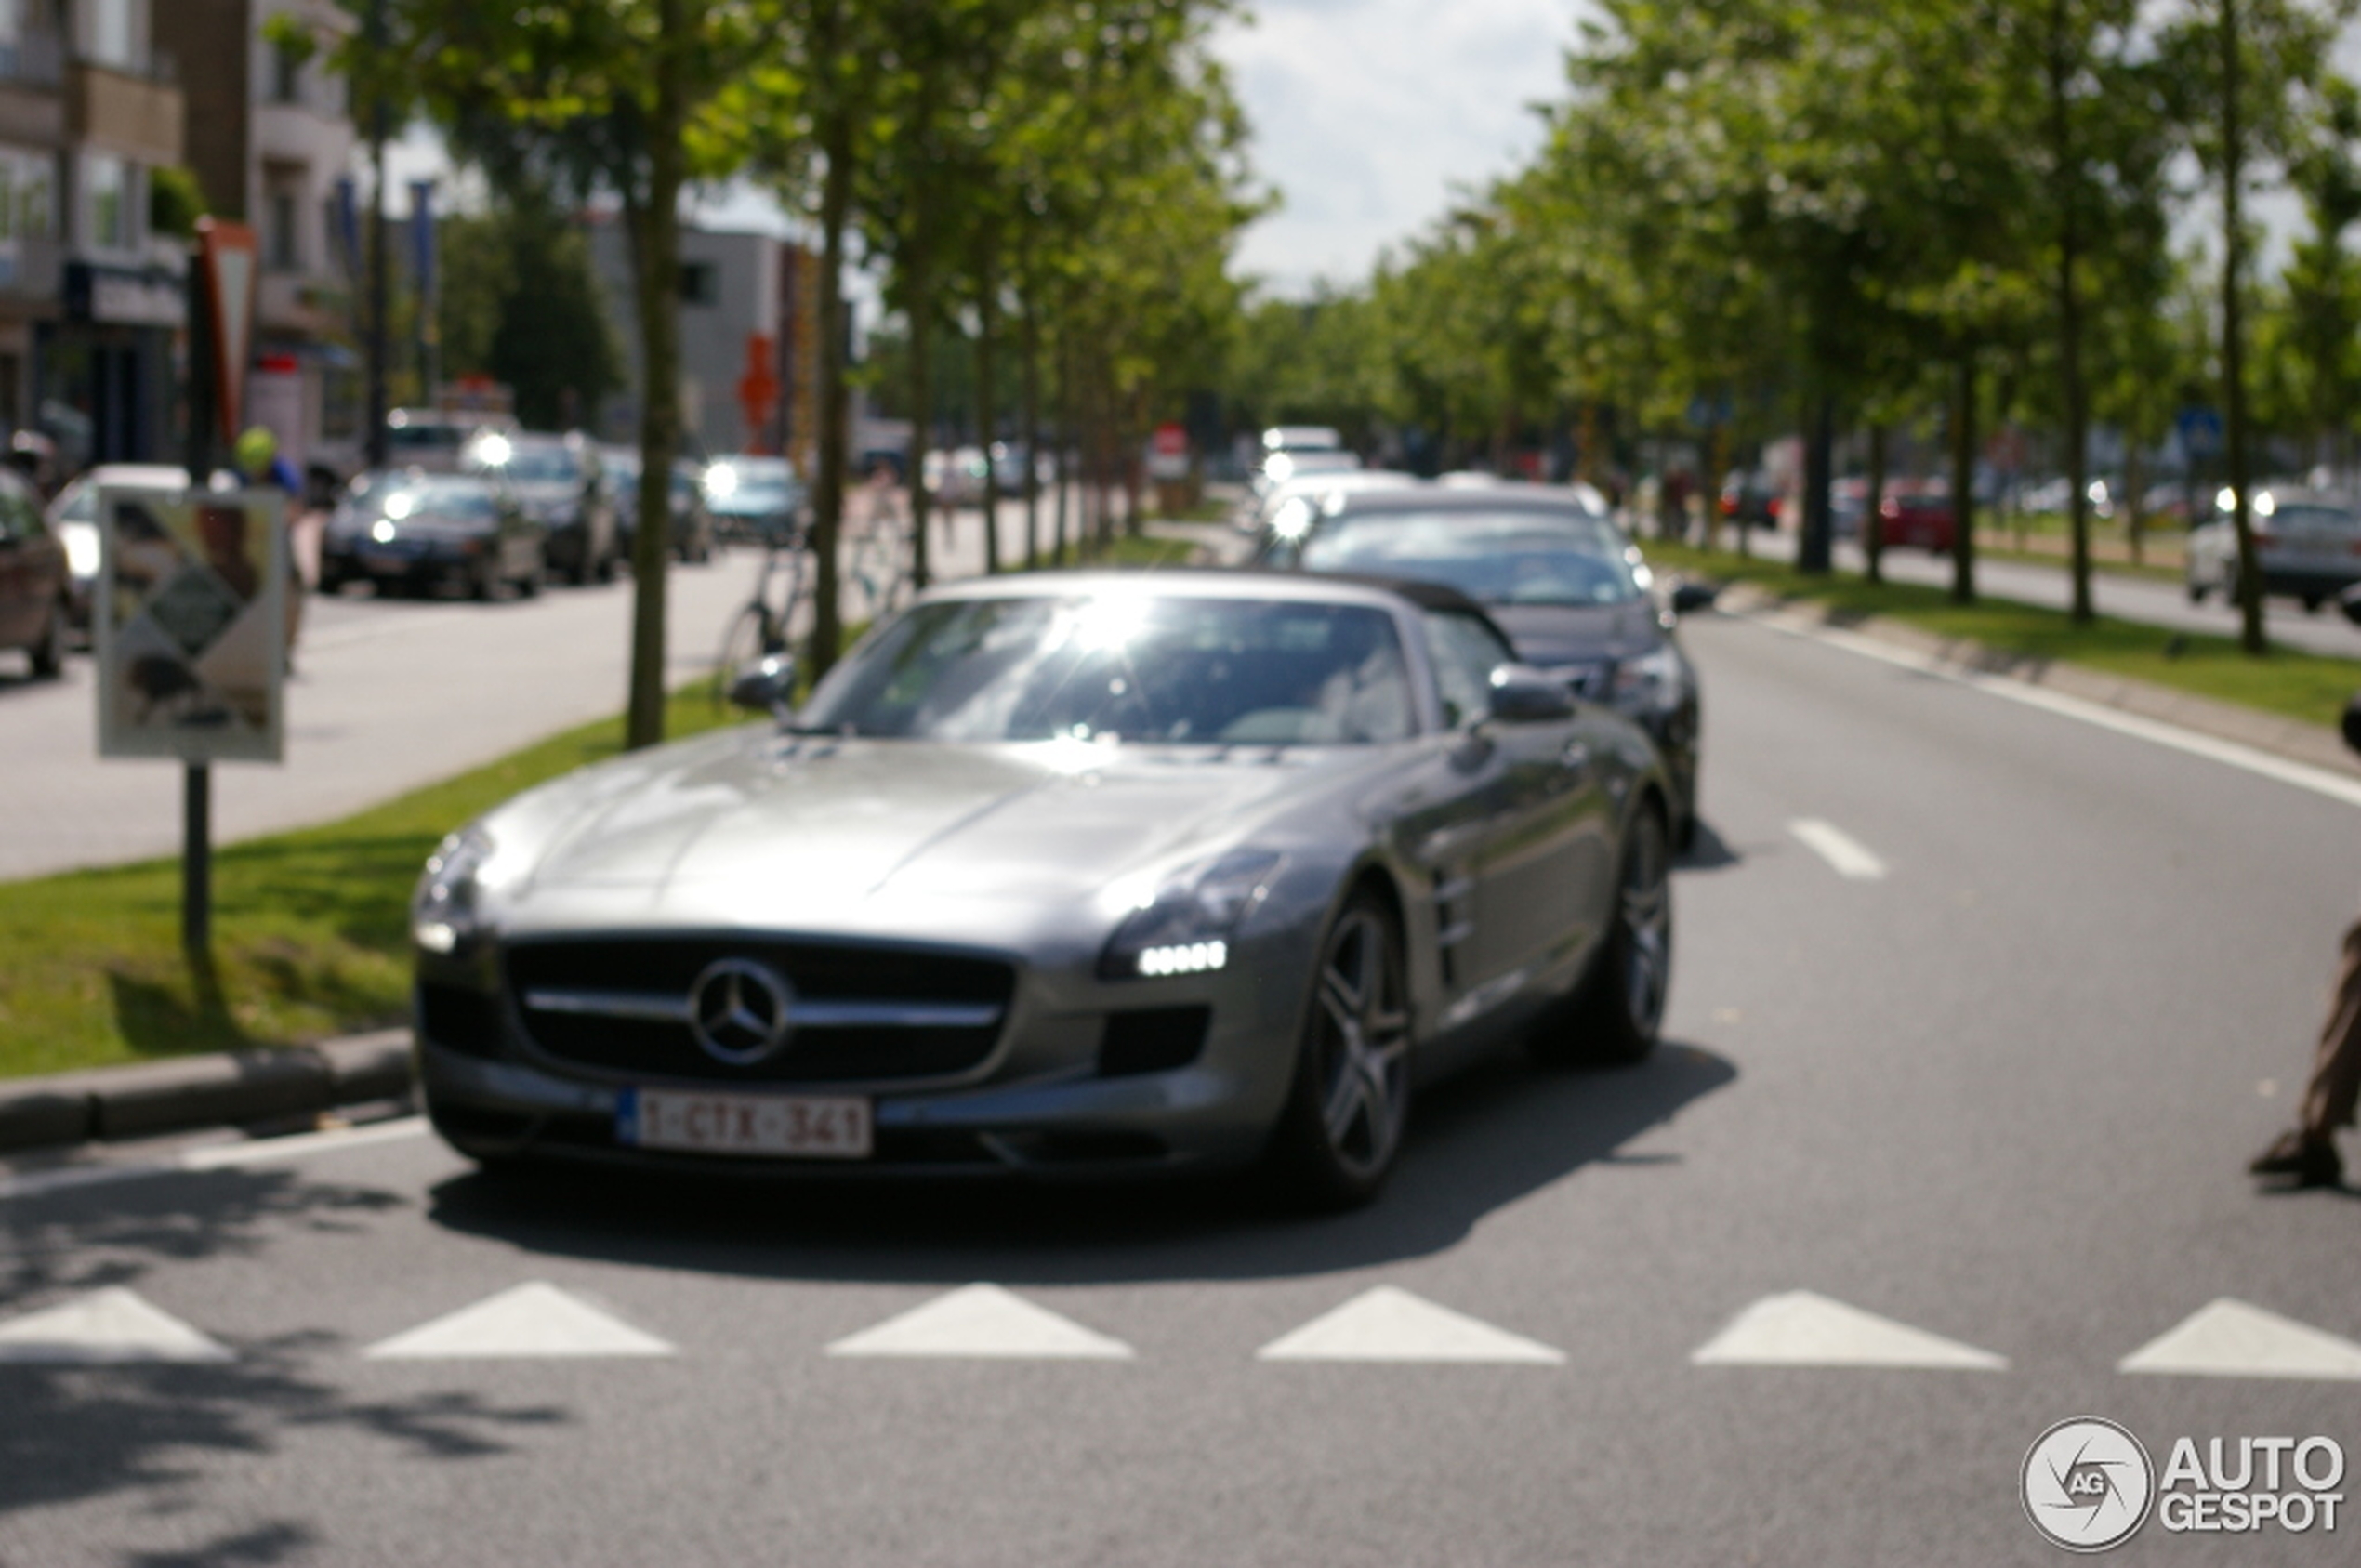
x: 628, y: 1006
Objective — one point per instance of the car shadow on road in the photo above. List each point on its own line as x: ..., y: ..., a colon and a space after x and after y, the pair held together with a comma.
x: 1484, y: 1141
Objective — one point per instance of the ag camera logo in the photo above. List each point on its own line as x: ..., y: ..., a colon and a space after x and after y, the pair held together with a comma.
x: 2087, y: 1485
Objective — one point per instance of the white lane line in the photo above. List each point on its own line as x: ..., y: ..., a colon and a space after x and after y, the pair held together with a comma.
x: 211, y: 1157
x: 2319, y: 781
x: 262, y: 1150
x: 1845, y: 853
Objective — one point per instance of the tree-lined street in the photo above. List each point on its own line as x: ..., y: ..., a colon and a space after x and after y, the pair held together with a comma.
x: 1996, y: 1093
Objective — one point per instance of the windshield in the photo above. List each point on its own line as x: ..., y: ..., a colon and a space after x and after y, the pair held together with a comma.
x: 444, y: 500
x: 1129, y: 667
x: 2326, y: 519
x: 537, y: 464
x: 1495, y: 558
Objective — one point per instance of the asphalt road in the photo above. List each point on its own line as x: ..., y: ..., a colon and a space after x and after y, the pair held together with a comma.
x: 2125, y: 597
x: 1995, y: 1085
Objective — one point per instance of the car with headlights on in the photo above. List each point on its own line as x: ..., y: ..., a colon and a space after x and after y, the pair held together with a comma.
x: 35, y: 578
x: 1060, y: 874
x: 554, y: 480
x: 2307, y: 546
x: 411, y: 531
x: 755, y: 498
x: 1568, y: 587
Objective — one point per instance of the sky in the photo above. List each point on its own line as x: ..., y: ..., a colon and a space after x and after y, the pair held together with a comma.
x: 1367, y: 113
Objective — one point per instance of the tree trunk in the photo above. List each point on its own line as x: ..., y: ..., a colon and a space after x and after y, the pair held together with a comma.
x: 2063, y: 190
x: 1873, y: 512
x: 1963, y: 480
x: 1819, y: 464
x: 921, y: 425
x: 656, y: 233
x: 828, y: 495
x: 1029, y: 346
x: 987, y: 333
x: 1064, y: 480
x: 2233, y: 399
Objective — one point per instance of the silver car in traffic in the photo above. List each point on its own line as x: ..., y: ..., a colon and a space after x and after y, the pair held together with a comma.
x: 1062, y: 875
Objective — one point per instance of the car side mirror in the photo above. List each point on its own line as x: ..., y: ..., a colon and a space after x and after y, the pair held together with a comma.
x: 765, y: 686
x: 1690, y: 596
x: 1527, y: 696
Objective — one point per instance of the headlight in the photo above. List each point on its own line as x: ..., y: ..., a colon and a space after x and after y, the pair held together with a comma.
x: 443, y: 912
x: 82, y: 548
x: 1651, y: 684
x: 1185, y: 926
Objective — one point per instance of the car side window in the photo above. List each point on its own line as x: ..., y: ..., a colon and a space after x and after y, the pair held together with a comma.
x: 1464, y: 651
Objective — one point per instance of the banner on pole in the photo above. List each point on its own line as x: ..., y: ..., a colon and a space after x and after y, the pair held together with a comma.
x: 191, y: 623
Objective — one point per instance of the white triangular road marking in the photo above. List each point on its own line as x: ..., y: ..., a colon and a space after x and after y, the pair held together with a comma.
x: 1803, y: 1329
x: 982, y: 1321
x: 113, y: 1324
x: 1387, y: 1324
x: 2230, y: 1338
x: 535, y: 1319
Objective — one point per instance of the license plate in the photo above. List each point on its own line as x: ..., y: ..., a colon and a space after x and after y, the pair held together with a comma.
x: 799, y: 1126
x: 381, y: 560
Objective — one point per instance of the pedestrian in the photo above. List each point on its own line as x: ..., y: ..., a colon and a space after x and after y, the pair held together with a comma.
x: 261, y: 467
x: 2306, y: 1153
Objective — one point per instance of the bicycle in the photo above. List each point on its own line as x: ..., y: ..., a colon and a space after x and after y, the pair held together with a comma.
x: 757, y: 630
x: 881, y: 569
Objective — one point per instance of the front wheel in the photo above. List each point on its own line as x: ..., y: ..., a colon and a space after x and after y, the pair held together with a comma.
x: 750, y: 637
x: 1614, y: 1019
x: 1342, y: 1128
x: 49, y: 655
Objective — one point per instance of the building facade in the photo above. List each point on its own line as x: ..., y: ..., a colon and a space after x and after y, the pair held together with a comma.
x: 745, y: 324
x: 270, y: 137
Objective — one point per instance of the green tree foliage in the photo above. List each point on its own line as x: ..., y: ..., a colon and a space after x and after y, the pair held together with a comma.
x: 520, y: 304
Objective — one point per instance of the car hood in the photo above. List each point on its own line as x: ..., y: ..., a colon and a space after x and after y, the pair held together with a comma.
x: 782, y: 830
x: 1548, y: 635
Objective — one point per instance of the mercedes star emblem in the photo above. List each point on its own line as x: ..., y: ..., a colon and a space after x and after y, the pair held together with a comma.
x: 740, y: 1011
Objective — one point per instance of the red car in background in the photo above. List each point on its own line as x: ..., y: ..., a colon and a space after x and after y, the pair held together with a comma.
x: 1917, y: 515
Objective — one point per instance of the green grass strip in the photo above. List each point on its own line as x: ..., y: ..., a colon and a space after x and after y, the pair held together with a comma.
x: 2292, y: 684
x: 310, y: 928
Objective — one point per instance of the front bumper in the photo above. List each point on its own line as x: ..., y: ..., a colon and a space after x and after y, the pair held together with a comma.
x: 1055, y: 1098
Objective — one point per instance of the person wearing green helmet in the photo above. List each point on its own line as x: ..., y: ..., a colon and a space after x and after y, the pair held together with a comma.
x: 261, y: 467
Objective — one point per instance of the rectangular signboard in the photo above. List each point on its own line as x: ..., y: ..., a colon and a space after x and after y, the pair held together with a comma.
x: 191, y: 623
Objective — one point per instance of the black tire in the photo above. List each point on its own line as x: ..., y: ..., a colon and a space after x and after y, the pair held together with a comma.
x: 2312, y: 603
x: 485, y: 588
x: 48, y: 654
x: 749, y: 637
x: 1614, y: 1018
x: 528, y: 586
x: 1338, y: 1135
x: 2197, y: 591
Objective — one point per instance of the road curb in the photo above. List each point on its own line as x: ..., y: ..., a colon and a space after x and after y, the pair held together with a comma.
x: 215, y: 1089
x: 2315, y: 745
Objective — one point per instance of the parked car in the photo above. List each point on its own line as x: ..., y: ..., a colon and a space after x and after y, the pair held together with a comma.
x: 35, y: 578
x: 1278, y: 467
x: 555, y: 481
x: 1917, y: 513
x: 1569, y: 589
x: 692, y: 520
x: 1254, y: 514
x: 1091, y: 874
x: 758, y: 498
x: 2307, y: 545
x: 1751, y: 500
x: 73, y: 517
x: 412, y: 531
x: 435, y: 440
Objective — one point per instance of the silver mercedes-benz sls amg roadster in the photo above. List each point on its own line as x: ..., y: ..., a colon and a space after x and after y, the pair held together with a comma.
x: 1063, y: 875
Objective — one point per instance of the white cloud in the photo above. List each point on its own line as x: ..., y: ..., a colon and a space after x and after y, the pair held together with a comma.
x: 1367, y: 113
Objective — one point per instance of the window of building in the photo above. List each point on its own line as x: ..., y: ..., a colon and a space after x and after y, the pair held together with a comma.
x: 700, y: 283
x: 111, y: 40
x: 281, y: 238
x: 287, y: 74
x: 107, y: 186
